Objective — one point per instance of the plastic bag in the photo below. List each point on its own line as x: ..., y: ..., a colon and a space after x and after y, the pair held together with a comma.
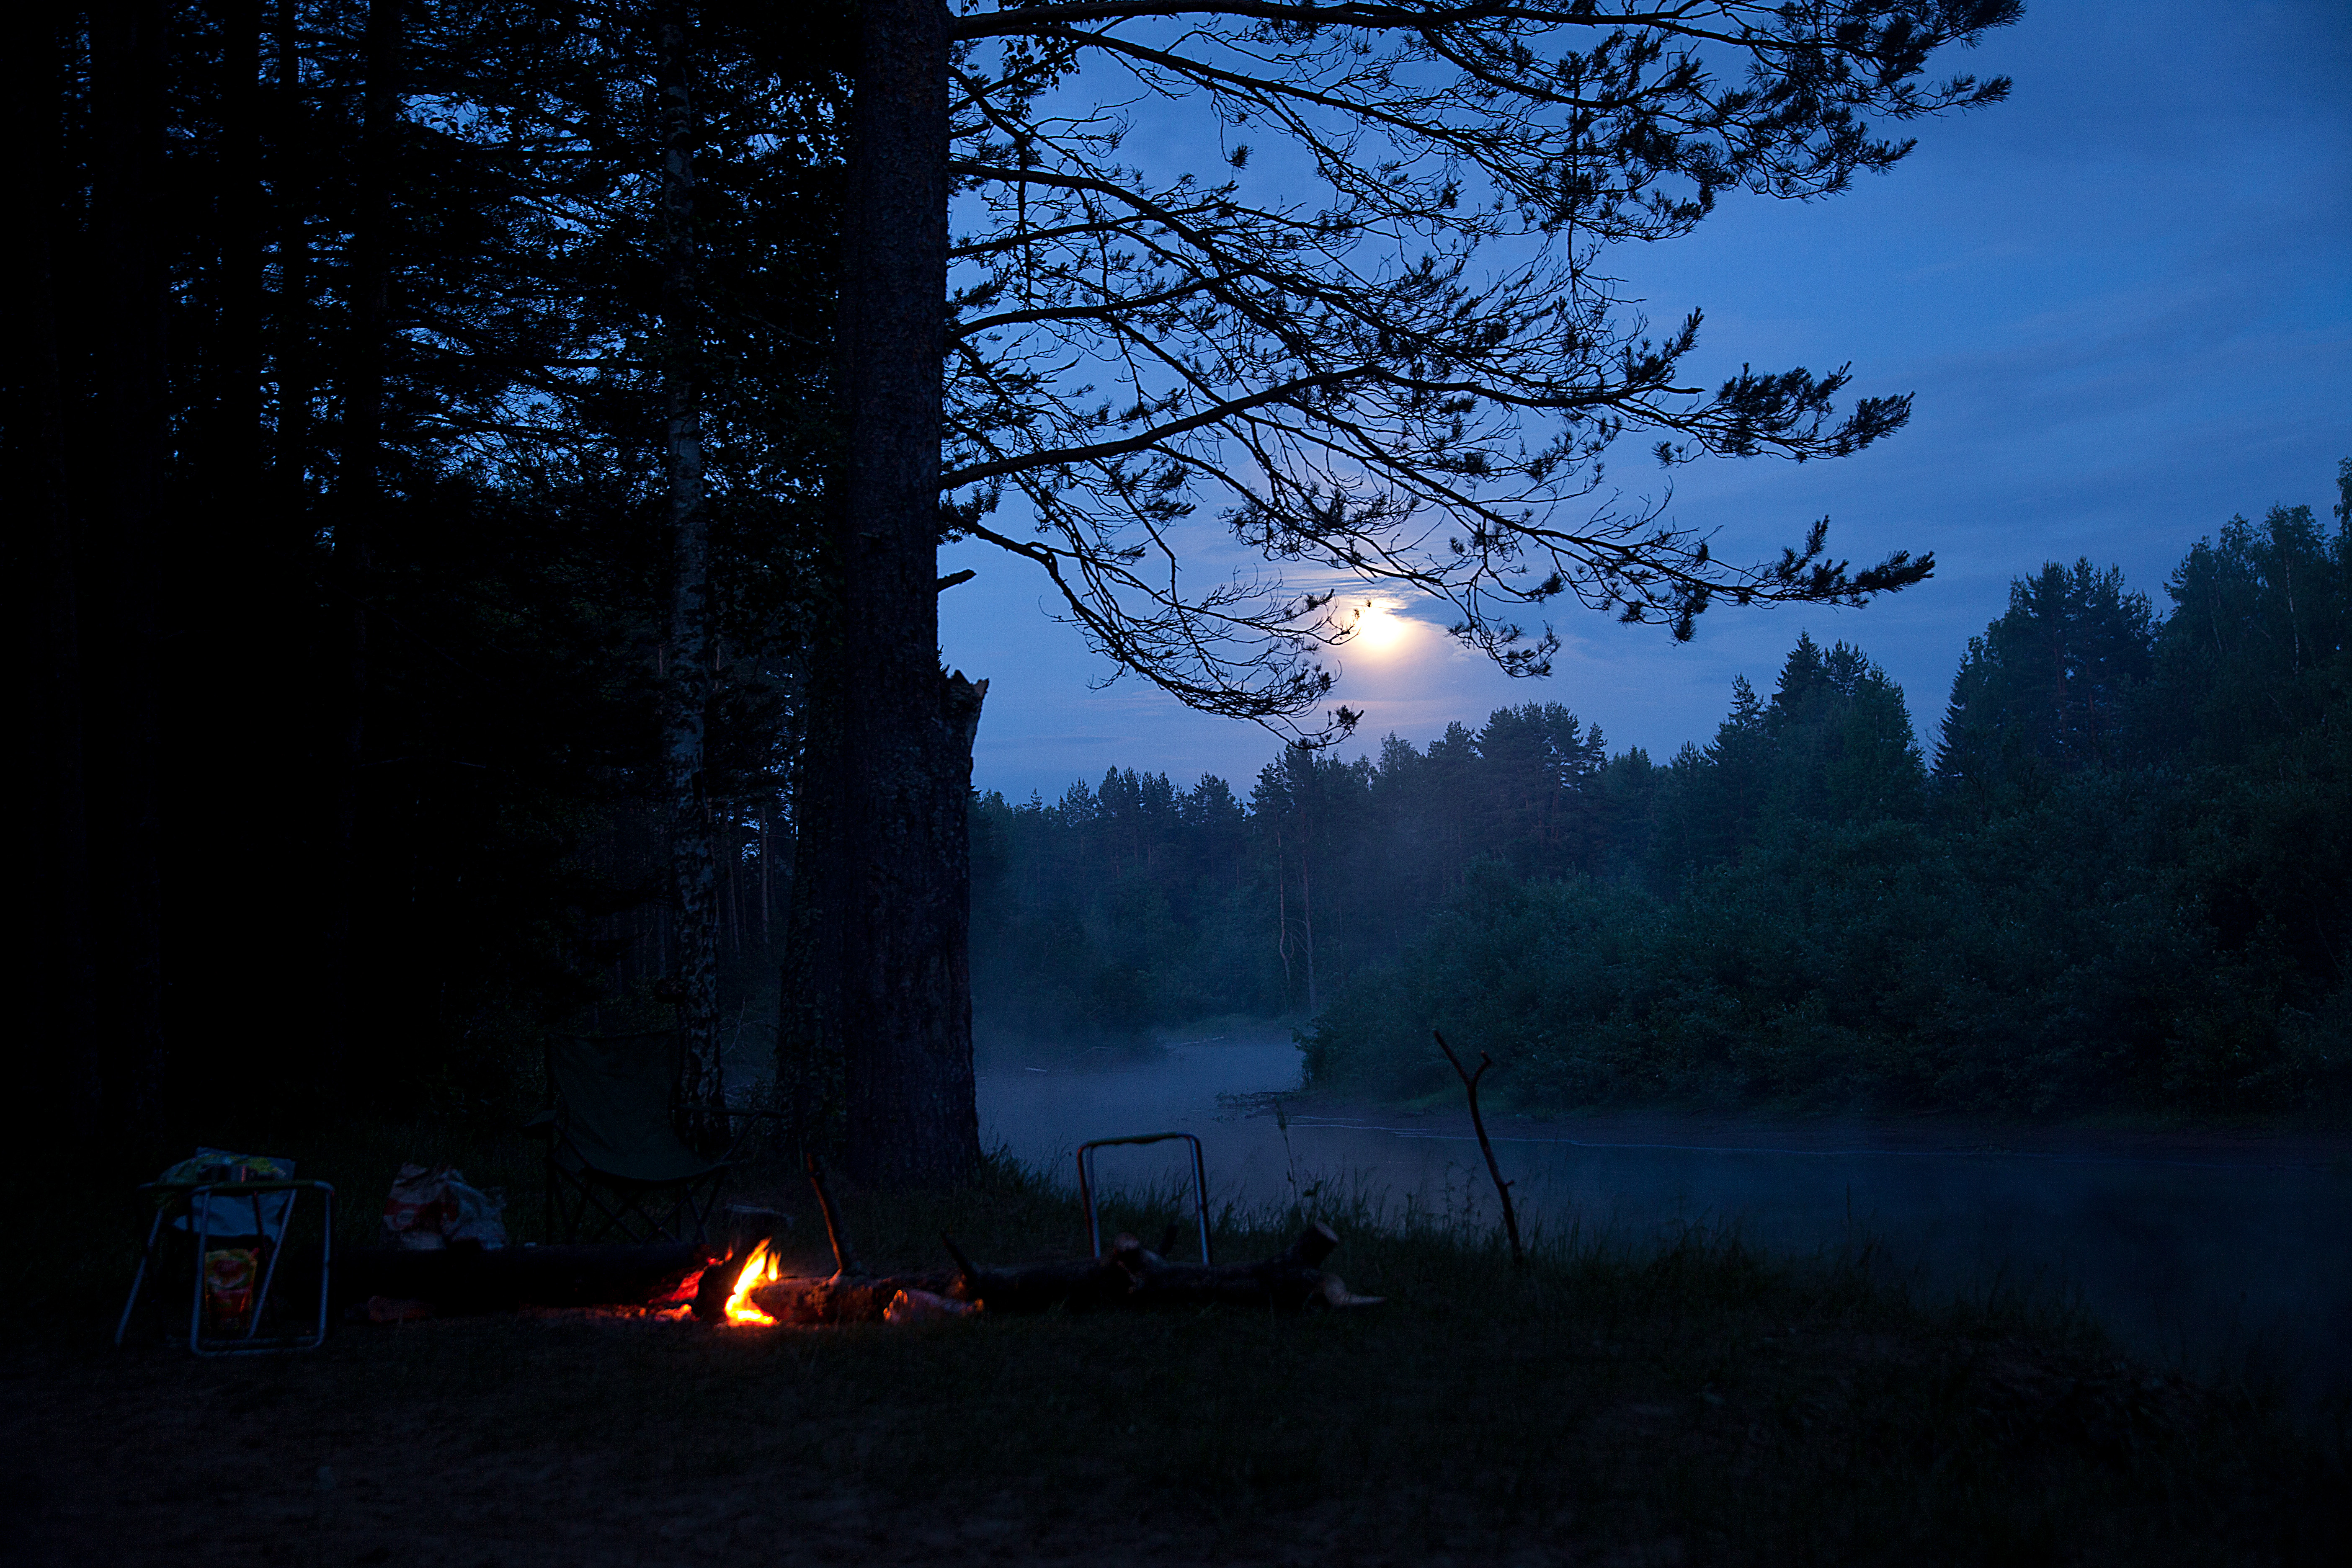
x: 431, y: 1207
x: 263, y: 1214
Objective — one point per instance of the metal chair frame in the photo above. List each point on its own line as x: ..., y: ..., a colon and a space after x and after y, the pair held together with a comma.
x: 1087, y: 1196
x: 193, y: 1198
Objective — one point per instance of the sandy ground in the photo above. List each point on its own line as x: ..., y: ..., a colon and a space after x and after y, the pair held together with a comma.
x: 591, y: 1439
x: 150, y: 1457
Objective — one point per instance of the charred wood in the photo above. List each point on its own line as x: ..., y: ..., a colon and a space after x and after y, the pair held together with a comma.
x: 745, y: 1230
x: 1129, y: 1277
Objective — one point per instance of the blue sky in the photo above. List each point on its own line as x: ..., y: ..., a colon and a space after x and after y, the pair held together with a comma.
x: 2122, y: 301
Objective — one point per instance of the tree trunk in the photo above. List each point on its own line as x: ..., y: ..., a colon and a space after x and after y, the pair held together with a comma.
x: 694, y: 863
x: 903, y: 863
x: 808, y: 1018
x: 236, y: 458
x: 67, y: 958
x: 358, y: 497
x: 290, y: 191
x: 234, y: 593
x: 1307, y: 910
x: 128, y: 106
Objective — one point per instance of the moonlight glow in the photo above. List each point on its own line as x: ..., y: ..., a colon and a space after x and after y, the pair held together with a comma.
x: 1378, y: 630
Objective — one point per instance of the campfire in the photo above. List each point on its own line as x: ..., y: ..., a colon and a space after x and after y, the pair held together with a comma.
x: 759, y: 1269
x: 681, y: 1280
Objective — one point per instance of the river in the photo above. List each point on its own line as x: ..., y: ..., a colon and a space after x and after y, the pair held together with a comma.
x: 2209, y: 1252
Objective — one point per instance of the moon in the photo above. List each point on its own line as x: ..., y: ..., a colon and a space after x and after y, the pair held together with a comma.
x: 1379, y: 629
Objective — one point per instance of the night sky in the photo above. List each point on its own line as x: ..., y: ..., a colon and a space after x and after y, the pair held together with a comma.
x: 2122, y: 301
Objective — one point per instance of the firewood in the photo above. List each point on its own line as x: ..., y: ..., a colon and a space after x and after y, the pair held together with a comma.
x: 1127, y: 1277
x: 843, y: 1260
x: 746, y: 1229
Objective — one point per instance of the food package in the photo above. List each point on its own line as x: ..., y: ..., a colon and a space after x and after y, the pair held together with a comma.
x: 431, y: 1207
x: 229, y: 1279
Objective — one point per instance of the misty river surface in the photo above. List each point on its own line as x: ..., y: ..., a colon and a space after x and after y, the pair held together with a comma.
x: 2197, y: 1251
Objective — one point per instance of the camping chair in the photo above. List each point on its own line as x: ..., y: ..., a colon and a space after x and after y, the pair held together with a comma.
x: 615, y: 1164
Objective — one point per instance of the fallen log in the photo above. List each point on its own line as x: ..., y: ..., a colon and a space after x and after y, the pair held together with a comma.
x: 461, y: 1279
x: 845, y: 1297
x: 1292, y: 1278
x: 1129, y: 1277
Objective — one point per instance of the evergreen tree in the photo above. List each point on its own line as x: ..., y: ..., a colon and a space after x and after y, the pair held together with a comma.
x: 2255, y: 649
x: 409, y: 256
x: 2048, y: 688
x: 1841, y: 740
x: 1712, y: 800
x: 1536, y: 767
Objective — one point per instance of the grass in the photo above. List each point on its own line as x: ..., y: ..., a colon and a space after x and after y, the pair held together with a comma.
x: 1696, y: 1403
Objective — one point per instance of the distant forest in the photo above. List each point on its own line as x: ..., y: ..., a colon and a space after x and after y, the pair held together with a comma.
x: 2122, y: 880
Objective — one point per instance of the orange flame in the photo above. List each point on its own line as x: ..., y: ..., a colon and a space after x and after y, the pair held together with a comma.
x: 759, y: 1269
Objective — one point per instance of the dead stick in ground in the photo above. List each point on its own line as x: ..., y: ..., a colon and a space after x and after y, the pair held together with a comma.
x: 965, y: 1272
x: 844, y: 1262
x: 1486, y: 1145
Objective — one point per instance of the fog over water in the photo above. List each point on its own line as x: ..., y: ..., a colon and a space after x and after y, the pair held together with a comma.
x: 2206, y: 1249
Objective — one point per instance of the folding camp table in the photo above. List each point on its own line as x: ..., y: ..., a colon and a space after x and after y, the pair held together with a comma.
x: 256, y: 1216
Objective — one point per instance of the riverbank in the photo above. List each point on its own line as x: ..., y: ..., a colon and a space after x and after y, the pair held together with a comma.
x: 2222, y: 1250
x: 1696, y: 1403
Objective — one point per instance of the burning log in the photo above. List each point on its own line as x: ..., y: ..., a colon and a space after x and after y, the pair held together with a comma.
x: 1131, y: 1276
x: 751, y: 1233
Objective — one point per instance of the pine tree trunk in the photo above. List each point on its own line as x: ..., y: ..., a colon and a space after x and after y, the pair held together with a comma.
x: 358, y: 498
x: 694, y: 862
x: 904, y: 884
x: 292, y: 531
x: 66, y: 956
x: 128, y: 104
x: 240, y: 574
x: 236, y: 458
x: 290, y: 190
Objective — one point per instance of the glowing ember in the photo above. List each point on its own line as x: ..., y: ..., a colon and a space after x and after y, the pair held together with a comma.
x: 758, y: 1270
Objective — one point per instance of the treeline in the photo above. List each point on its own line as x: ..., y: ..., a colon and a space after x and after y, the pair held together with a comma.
x: 2124, y: 878
x: 1136, y: 904
x: 354, y: 349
